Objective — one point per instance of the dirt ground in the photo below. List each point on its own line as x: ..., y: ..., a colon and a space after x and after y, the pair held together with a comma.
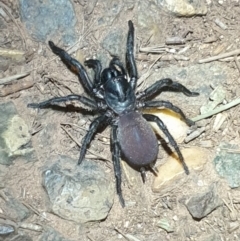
x: 49, y: 77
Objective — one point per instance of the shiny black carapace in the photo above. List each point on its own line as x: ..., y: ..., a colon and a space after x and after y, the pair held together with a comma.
x: 112, y: 94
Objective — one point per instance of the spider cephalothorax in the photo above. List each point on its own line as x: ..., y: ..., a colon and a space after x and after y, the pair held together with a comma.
x: 112, y: 94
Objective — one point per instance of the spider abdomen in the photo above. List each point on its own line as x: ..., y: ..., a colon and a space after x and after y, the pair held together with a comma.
x: 137, y: 140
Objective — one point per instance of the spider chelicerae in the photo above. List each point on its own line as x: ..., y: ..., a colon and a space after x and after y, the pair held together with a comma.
x: 113, y: 96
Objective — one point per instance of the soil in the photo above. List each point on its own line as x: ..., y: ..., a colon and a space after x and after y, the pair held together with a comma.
x: 140, y: 219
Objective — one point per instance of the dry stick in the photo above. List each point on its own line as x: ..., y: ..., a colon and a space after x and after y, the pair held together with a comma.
x: 220, y: 56
x: 9, y: 79
x: 217, y: 110
x: 237, y: 63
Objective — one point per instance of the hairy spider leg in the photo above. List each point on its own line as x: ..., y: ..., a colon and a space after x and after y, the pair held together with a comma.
x: 158, y: 86
x: 115, y: 149
x: 74, y: 65
x: 55, y: 100
x: 130, y: 60
x: 168, y: 105
x: 96, y: 65
x: 164, y: 129
x: 96, y: 123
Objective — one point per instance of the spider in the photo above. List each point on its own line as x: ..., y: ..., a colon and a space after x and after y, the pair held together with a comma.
x: 113, y: 95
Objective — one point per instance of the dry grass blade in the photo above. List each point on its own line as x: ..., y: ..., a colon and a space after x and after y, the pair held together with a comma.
x: 153, y: 49
x: 220, y: 56
x: 217, y: 110
x: 11, y: 78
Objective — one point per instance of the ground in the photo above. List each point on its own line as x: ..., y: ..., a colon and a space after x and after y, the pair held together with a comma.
x: 141, y: 219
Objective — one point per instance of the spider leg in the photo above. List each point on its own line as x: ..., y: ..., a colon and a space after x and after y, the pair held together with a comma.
x: 74, y: 65
x: 167, y: 105
x: 115, y: 149
x: 130, y: 61
x: 161, y: 125
x: 97, y: 68
x: 55, y: 100
x: 158, y: 86
x: 90, y: 133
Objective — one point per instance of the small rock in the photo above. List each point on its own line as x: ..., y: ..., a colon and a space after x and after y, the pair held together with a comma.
x: 184, y: 8
x: 227, y: 164
x: 203, y: 204
x: 216, y: 97
x: 78, y: 193
x: 194, y: 157
x: 5, y: 230
x: 15, y: 139
x: 13, y: 209
x: 165, y: 225
x: 45, y: 19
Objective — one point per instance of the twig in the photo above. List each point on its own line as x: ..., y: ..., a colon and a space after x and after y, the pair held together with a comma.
x: 153, y: 49
x: 34, y: 210
x: 237, y: 63
x: 9, y: 79
x: 220, y: 56
x: 16, y: 87
x: 217, y: 110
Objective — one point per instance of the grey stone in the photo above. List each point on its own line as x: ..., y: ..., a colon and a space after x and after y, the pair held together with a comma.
x: 227, y: 165
x: 201, y: 205
x: 13, y: 209
x: 45, y: 19
x: 15, y: 139
x: 78, y: 193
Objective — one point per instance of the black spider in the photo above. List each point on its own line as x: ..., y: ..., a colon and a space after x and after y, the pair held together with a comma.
x: 113, y: 95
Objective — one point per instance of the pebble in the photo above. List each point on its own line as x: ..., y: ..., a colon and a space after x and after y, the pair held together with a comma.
x: 78, y: 193
x: 227, y: 164
x: 172, y: 169
x: 15, y: 139
x: 204, y: 203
